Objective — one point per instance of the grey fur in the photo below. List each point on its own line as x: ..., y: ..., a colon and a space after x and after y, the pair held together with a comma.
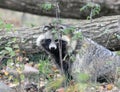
x: 94, y: 60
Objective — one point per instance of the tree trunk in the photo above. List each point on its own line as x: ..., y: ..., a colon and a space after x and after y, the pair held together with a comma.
x: 68, y: 8
x: 104, y: 30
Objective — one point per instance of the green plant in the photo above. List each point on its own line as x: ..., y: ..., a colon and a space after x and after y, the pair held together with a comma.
x: 14, y: 61
x: 95, y: 9
x: 68, y: 30
x: 8, y: 51
x: 118, y: 36
x: 54, y: 84
x: 45, y: 68
x: 77, y: 35
x: 4, y: 25
x: 47, y: 6
x: 83, y: 77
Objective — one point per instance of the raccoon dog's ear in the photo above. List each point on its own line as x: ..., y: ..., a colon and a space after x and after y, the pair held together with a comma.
x: 46, y: 28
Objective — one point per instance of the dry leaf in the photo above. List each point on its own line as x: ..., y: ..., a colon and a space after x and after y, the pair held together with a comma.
x: 60, y: 90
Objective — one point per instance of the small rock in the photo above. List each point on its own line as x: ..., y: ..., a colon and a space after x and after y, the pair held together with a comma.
x: 5, y: 88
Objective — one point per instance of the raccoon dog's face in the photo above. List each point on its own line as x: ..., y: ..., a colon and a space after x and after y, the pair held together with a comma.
x: 48, y: 42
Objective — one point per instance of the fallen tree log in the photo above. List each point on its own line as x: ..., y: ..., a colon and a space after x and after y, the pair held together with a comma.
x: 104, y: 30
x: 68, y: 8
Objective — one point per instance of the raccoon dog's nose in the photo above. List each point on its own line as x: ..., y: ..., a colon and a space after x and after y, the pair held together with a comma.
x: 52, y: 46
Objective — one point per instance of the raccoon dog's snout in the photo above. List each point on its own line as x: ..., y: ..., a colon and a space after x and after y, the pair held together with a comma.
x: 52, y: 45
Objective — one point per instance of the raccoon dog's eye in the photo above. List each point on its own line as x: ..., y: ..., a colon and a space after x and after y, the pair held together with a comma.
x: 48, y: 40
x: 56, y: 41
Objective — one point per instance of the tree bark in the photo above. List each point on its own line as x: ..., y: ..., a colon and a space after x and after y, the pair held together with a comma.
x: 68, y: 8
x: 104, y: 30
